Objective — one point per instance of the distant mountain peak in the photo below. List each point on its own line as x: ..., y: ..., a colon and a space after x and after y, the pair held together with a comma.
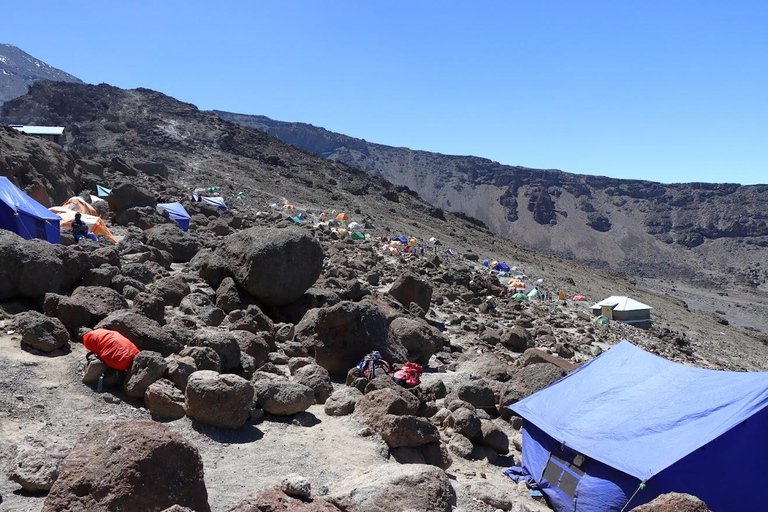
x: 19, y: 70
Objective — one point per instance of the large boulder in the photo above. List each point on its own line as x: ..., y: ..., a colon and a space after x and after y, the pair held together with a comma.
x: 222, y: 401
x: 164, y: 400
x: 172, y: 289
x: 170, y: 238
x: 129, y: 465
x: 71, y: 313
x: 274, y: 265
x: 420, y: 339
x: 408, y: 288
x: 30, y: 268
x: 526, y: 381
x: 201, y: 306
x: 41, y: 332
x: 36, y: 465
x: 225, y: 344
x: 317, y: 379
x: 343, y: 334
x: 395, y: 487
x: 99, y: 301
x: 283, y: 398
x: 128, y: 195
x: 143, y: 332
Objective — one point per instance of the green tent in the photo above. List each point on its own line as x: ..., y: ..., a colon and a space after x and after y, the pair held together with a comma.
x: 295, y: 220
x: 520, y: 296
x: 358, y: 236
x: 103, y: 191
x: 602, y: 320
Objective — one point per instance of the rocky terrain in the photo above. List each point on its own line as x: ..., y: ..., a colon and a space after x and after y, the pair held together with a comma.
x: 19, y: 70
x: 250, y: 323
x: 706, y: 234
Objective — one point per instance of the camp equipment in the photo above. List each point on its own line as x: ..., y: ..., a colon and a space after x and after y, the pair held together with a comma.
x: 25, y: 216
x: 177, y: 212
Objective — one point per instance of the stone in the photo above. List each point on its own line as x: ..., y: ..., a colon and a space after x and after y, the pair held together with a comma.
x: 143, y: 332
x: 127, y: 195
x: 487, y: 493
x: 673, y: 502
x: 171, y: 289
x: 461, y: 446
x: 219, y: 400
x: 202, y: 307
x: 477, y: 392
x: 41, y: 332
x: 94, y: 369
x: 101, y: 276
x: 342, y: 401
x: 252, y: 319
x: 408, y: 288
x: 99, y: 301
x: 297, y: 486
x: 525, y: 381
x: 343, y: 334
x: 224, y: 343
x: 283, y: 398
x: 36, y: 464
x: 437, y: 454
x: 465, y: 422
x: 394, y: 487
x: 72, y: 315
x: 145, y: 272
x: 170, y: 238
x: 275, y: 500
x: 534, y: 355
x: 317, y: 379
x: 228, y: 296
x: 205, y: 358
x: 129, y: 465
x: 164, y: 400
x: 31, y: 268
x: 148, y: 366
x: 420, y: 339
x: 407, y: 455
x: 407, y: 430
x: 493, y: 437
x: 151, y: 306
x: 518, y: 339
x: 254, y: 345
x: 274, y: 265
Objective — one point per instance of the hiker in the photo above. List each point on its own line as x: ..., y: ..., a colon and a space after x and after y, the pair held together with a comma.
x: 110, y: 347
x: 79, y: 228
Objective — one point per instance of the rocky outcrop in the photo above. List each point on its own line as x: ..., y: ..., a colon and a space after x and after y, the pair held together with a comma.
x: 30, y: 268
x: 41, y: 332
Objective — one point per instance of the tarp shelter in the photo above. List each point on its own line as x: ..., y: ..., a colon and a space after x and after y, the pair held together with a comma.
x: 77, y: 204
x: 533, y: 294
x: 295, y: 220
x: 520, y: 296
x: 357, y: 235
x: 623, y: 309
x: 342, y: 216
x: 630, y: 417
x: 503, y: 267
x: 25, y: 216
x: 103, y: 191
x: 402, y: 240
x: 218, y: 202
x: 177, y: 212
x: 95, y: 224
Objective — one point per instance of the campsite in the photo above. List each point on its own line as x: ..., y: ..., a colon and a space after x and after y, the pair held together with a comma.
x: 196, y: 315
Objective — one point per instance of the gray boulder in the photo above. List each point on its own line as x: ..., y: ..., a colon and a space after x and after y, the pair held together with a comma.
x: 99, y: 301
x: 41, y: 332
x: 171, y: 289
x: 201, y: 306
x: 342, y: 402
x: 164, y: 400
x: 274, y: 265
x: 222, y: 401
x: 128, y: 195
x: 170, y: 238
x: 225, y: 344
x: 205, y: 358
x: 408, y: 288
x: 143, y: 332
x: 317, y: 379
x: 283, y: 398
x: 420, y: 339
x: 147, y: 367
x: 30, y: 268
x: 36, y: 464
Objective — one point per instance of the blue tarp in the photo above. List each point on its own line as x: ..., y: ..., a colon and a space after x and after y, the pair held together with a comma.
x: 25, y: 216
x: 402, y: 240
x: 103, y: 191
x: 638, y: 417
x: 177, y: 212
x: 502, y: 267
x: 218, y: 202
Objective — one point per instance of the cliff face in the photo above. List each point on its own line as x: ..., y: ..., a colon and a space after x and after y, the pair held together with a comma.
x: 632, y: 226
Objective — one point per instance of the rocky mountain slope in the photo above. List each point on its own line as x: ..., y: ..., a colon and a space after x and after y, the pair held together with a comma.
x: 710, y: 234
x: 19, y: 70
x: 296, y: 431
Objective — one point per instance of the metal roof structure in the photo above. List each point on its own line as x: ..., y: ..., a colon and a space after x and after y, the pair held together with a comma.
x: 39, y: 130
x: 621, y: 303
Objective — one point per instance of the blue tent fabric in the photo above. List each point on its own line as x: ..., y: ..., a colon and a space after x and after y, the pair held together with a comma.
x: 177, y: 212
x: 218, y: 202
x: 402, y: 240
x: 640, y: 418
x: 501, y: 266
x: 25, y: 216
x: 102, y: 191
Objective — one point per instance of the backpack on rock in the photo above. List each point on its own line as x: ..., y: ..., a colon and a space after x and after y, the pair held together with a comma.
x: 409, y: 375
x: 372, y: 366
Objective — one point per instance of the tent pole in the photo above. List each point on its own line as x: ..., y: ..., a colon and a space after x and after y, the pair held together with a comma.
x: 639, y: 487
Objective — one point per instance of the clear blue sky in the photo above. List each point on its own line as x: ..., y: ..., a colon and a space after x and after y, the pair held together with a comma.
x: 661, y: 90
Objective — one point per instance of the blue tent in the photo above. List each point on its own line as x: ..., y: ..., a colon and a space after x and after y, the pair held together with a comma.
x: 486, y: 263
x: 218, y: 202
x: 25, y: 216
x: 629, y: 418
x: 402, y: 240
x: 177, y: 212
x: 503, y: 267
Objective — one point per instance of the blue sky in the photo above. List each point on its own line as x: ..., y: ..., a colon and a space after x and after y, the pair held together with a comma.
x: 666, y: 91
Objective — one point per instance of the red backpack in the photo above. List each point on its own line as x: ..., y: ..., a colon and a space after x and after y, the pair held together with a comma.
x: 408, y: 376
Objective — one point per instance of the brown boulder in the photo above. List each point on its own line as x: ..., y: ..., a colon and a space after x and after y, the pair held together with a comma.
x: 673, y: 502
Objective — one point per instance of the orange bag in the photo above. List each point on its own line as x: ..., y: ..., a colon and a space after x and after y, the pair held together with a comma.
x: 113, y: 348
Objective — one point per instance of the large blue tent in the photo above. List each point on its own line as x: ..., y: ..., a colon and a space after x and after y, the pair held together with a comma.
x: 25, y: 216
x: 177, y: 212
x: 629, y: 426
